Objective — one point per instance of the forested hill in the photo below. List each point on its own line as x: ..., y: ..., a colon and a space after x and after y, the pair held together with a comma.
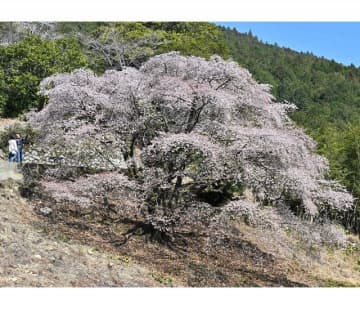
x: 326, y: 93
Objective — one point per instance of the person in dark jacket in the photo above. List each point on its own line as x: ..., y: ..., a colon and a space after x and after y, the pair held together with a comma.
x: 20, y: 141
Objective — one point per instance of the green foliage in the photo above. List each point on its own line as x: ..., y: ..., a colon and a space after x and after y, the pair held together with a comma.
x: 24, y: 64
x: 3, y: 96
x: 342, y: 148
x: 131, y: 43
x: 72, y: 28
x: 193, y: 38
x: 301, y: 78
x: 17, y: 128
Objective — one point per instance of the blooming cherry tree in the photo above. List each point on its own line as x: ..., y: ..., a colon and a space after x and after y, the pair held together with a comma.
x: 195, y: 134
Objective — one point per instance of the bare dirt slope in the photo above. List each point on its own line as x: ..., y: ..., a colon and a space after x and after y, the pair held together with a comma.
x: 39, y: 254
x: 29, y: 257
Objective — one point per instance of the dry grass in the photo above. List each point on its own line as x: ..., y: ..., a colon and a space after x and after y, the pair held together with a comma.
x: 316, y: 266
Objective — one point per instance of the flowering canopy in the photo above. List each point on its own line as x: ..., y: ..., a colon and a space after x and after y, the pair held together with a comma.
x: 195, y: 134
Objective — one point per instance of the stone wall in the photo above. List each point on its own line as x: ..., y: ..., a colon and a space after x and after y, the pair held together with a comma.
x: 91, y: 159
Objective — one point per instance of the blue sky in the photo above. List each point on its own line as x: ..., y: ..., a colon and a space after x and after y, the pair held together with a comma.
x: 333, y: 40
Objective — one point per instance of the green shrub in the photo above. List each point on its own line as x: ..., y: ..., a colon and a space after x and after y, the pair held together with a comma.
x: 24, y: 64
x: 17, y: 128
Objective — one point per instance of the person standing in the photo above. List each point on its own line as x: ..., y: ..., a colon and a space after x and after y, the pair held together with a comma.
x: 13, y: 150
x: 20, y: 141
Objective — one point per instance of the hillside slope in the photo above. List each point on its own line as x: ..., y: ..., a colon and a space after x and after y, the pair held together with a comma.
x: 36, y: 252
x: 29, y: 257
